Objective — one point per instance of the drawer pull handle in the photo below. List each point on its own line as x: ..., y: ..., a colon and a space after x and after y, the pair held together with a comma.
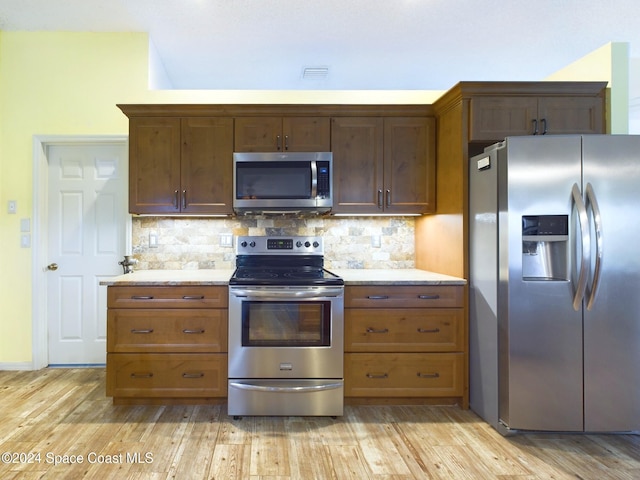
x: 428, y: 297
x: 377, y: 297
x: 148, y: 330
x: 193, y: 297
x: 141, y: 375
x: 193, y: 331
x: 373, y: 330
x: 192, y: 375
x: 141, y: 297
x: 377, y: 375
x: 428, y: 330
x: 429, y: 375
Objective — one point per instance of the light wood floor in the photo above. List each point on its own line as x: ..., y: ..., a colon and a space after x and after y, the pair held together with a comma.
x: 63, y: 412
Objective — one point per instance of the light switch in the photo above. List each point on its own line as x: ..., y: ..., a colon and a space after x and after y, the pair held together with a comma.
x: 25, y: 225
x: 376, y: 241
x: 153, y: 240
x: 25, y: 240
x: 12, y: 206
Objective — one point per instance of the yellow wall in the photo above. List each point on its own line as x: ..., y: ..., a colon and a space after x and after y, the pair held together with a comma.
x: 61, y: 83
x: 51, y: 84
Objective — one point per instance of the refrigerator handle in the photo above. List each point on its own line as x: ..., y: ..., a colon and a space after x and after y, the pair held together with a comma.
x: 585, y: 238
x: 597, y: 223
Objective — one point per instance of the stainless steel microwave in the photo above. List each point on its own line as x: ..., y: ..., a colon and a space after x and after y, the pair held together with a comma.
x: 282, y: 182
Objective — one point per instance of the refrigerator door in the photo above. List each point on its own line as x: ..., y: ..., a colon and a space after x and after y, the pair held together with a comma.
x: 612, y: 323
x: 483, y: 285
x: 540, y: 332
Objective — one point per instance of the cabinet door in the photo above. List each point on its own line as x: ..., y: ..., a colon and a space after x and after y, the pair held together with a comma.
x: 570, y: 115
x: 306, y: 134
x: 167, y: 375
x: 357, y: 146
x: 409, y: 165
x: 258, y: 134
x: 403, y: 374
x: 207, y: 165
x: 494, y: 118
x: 171, y: 330
x: 154, y: 164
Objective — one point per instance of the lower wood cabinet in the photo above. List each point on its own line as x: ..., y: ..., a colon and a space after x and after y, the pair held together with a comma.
x: 403, y: 374
x: 167, y: 344
x: 159, y: 375
x: 405, y: 342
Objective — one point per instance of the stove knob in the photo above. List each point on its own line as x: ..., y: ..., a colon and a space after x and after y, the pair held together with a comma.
x: 316, y: 244
x: 243, y: 244
x: 298, y: 244
x: 307, y: 244
x: 252, y: 244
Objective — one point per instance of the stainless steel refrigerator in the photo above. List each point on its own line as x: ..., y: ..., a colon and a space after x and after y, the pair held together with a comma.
x: 554, y: 224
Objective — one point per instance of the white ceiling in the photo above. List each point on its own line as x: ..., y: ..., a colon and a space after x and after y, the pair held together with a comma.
x: 366, y: 44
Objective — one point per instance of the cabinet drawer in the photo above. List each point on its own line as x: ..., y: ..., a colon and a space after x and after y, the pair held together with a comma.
x: 196, y: 296
x: 149, y: 330
x: 403, y: 330
x: 413, y: 296
x: 166, y: 375
x: 403, y: 375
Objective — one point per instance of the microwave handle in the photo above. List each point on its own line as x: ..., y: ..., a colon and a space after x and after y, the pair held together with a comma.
x: 314, y: 179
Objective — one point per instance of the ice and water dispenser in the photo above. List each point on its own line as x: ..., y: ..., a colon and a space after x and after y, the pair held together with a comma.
x: 545, y: 247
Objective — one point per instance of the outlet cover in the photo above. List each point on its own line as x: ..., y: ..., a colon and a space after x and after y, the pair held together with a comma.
x: 153, y: 240
x: 226, y: 240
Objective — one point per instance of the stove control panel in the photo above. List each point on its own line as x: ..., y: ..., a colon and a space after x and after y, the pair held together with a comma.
x: 280, y: 243
x: 251, y: 245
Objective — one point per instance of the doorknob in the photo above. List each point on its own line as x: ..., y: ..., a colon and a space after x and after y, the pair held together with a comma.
x: 52, y: 266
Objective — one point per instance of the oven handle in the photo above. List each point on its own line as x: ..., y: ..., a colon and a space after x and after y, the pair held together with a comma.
x: 316, y: 293
x: 298, y: 389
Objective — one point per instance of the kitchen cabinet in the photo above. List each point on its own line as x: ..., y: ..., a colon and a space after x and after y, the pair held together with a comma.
x: 496, y: 117
x: 282, y: 134
x: 405, y: 342
x: 167, y: 344
x: 180, y: 166
x: 383, y: 165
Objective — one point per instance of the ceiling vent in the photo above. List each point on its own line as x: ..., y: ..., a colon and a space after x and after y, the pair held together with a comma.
x: 315, y: 73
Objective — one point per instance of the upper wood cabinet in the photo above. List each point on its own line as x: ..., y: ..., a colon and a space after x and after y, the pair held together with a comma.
x: 496, y: 117
x: 181, y: 156
x: 282, y: 134
x: 383, y: 165
x: 180, y: 166
x: 357, y: 146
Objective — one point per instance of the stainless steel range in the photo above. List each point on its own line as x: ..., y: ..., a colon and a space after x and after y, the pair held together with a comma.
x: 286, y: 324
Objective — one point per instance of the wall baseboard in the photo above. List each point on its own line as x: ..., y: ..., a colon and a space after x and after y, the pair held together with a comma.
x: 16, y: 366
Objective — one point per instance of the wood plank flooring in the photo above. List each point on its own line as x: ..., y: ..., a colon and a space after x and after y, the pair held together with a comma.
x: 58, y: 415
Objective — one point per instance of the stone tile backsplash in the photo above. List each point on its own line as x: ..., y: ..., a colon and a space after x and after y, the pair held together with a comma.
x: 194, y: 243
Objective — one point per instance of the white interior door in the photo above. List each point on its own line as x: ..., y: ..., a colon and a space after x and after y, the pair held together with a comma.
x: 86, y: 239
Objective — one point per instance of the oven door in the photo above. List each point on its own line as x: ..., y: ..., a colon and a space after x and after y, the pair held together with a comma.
x: 286, y: 332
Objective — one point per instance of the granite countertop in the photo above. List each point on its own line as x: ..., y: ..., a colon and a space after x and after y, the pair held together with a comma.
x: 410, y: 276
x: 171, y: 277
